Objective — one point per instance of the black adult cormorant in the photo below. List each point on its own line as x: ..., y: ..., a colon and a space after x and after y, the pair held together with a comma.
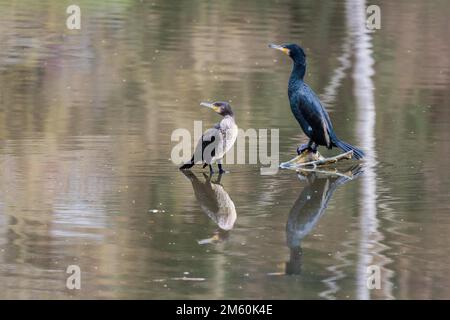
x: 308, y: 110
x: 215, y: 142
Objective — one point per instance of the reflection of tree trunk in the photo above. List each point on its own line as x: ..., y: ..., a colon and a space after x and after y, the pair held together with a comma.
x: 330, y: 91
x: 370, y: 248
x: 369, y: 242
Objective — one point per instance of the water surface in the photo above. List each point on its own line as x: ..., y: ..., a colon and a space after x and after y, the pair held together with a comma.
x: 86, y: 178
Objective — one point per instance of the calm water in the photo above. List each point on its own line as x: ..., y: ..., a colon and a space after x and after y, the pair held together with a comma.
x: 86, y: 177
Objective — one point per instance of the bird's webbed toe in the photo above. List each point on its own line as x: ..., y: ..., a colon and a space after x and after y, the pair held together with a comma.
x: 302, y: 148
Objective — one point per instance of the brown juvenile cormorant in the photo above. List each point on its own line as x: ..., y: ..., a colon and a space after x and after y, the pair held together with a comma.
x: 215, y: 142
x: 307, y: 109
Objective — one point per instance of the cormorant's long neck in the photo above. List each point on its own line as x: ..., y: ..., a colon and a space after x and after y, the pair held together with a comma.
x: 298, y: 73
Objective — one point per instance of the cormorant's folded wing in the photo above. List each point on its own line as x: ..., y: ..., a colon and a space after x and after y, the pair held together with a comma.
x: 315, y: 115
x: 208, y: 138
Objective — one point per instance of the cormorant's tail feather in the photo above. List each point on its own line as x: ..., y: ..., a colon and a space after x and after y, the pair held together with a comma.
x: 188, y: 165
x: 344, y: 146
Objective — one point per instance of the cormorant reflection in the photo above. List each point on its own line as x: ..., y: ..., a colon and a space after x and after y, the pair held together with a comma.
x: 309, y: 208
x: 215, y: 203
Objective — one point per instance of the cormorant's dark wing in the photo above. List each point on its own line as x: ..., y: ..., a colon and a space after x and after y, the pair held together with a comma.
x: 315, y: 115
x: 208, y: 138
x: 207, y: 142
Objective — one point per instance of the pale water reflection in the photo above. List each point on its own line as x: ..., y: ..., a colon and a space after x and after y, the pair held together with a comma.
x: 85, y: 123
x: 215, y: 202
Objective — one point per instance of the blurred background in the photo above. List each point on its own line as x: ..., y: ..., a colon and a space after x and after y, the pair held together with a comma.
x: 86, y: 177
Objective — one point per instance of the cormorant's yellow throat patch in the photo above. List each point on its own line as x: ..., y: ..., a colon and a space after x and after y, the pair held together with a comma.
x: 285, y: 50
x: 281, y: 48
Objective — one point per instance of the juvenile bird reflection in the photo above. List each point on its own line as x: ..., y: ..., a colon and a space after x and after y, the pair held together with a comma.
x: 309, y: 208
x: 215, y: 203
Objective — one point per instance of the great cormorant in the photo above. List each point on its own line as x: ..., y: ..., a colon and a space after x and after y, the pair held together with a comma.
x: 307, y: 109
x: 215, y: 142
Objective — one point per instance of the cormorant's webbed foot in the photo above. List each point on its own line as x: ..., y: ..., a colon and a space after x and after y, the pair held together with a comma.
x: 221, y: 171
x: 307, y: 146
x: 302, y: 148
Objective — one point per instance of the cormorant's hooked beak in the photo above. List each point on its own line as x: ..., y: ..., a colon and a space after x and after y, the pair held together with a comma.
x: 278, y: 47
x: 211, y: 106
